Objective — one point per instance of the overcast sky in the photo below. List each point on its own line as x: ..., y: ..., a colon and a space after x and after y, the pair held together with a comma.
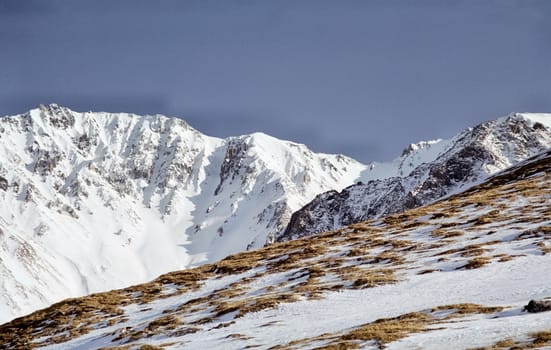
x: 363, y: 78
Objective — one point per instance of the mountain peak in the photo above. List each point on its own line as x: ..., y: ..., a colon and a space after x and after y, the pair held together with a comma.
x: 538, y: 120
x: 421, y: 145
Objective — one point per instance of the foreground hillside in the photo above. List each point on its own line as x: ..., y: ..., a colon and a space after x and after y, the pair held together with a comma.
x: 455, y: 274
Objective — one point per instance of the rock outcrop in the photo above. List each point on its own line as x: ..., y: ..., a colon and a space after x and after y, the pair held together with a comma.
x: 538, y: 305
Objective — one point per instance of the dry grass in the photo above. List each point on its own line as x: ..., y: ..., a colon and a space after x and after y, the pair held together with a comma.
x: 135, y: 346
x: 473, y: 252
x: 476, y: 263
x: 70, y: 318
x: 468, y: 308
x: 542, y: 231
x: 380, y: 332
x: 254, y: 304
x: 162, y: 325
x: 150, y: 347
x: 366, y: 278
x: 537, y: 340
x: 388, y: 257
x: 388, y: 330
x: 503, y: 257
x: 238, y: 336
x: 439, y: 215
x: 441, y: 233
x: 505, y: 344
x: 232, y: 299
x: 165, y: 322
x: 359, y: 251
x: 397, y: 219
x: 340, y: 346
x: 296, y: 259
x: 445, y: 225
x: 544, y: 247
x: 541, y: 338
x: 402, y: 244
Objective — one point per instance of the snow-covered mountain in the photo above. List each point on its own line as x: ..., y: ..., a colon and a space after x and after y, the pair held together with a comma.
x: 457, y: 274
x: 425, y: 172
x: 96, y: 201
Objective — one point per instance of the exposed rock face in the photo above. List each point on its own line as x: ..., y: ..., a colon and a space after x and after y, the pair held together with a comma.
x: 467, y: 159
x: 232, y: 165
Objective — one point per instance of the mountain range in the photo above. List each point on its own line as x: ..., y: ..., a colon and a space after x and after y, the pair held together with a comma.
x: 96, y: 201
x: 467, y: 272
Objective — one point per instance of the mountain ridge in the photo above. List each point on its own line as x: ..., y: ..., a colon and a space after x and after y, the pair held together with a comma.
x: 432, y: 170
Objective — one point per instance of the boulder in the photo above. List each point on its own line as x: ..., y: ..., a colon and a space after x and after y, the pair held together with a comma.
x: 3, y: 183
x: 539, y: 305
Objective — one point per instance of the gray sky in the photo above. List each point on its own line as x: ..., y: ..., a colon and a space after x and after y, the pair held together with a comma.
x: 363, y: 78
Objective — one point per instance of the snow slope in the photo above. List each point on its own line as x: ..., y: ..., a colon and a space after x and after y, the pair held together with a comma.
x: 96, y: 201
x: 455, y: 274
x: 425, y: 172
